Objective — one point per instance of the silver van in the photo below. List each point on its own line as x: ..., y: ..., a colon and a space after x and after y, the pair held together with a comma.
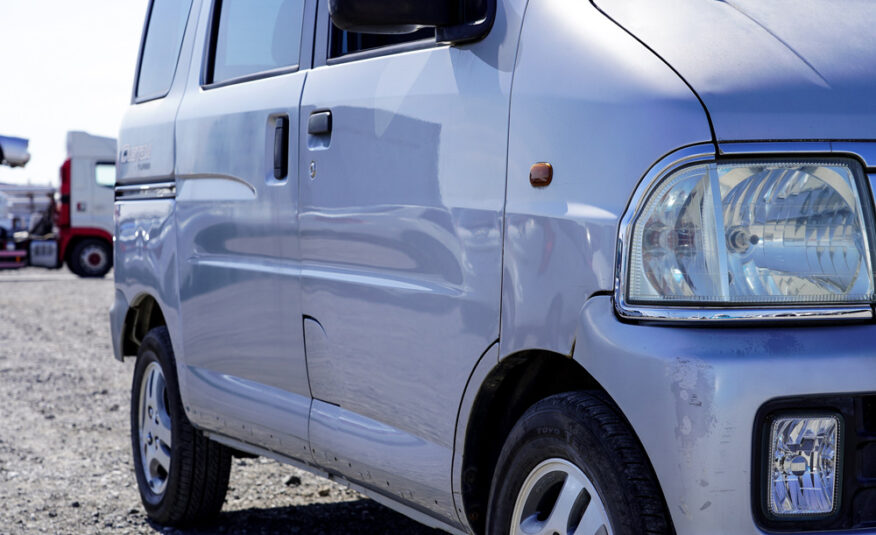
x: 507, y: 266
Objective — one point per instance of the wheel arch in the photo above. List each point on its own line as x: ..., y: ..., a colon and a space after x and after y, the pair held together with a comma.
x: 513, y: 385
x: 143, y: 315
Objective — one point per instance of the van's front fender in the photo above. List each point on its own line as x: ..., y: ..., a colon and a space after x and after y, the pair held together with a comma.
x: 601, y: 108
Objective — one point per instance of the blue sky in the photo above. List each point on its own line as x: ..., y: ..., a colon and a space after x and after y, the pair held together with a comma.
x: 64, y: 65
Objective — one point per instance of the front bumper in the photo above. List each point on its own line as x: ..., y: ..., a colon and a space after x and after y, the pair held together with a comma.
x: 691, y: 394
x: 13, y: 259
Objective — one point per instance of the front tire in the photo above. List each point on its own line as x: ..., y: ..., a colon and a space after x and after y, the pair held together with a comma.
x: 182, y: 476
x: 572, y: 465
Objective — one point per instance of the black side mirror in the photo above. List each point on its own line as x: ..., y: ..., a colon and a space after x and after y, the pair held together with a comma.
x: 393, y: 16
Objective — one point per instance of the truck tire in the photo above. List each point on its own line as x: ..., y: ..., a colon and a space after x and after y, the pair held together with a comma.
x: 571, y: 464
x: 181, y: 474
x: 91, y: 257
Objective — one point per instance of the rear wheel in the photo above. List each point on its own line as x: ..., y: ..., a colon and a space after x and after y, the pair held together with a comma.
x: 182, y: 475
x: 91, y: 258
x: 571, y: 465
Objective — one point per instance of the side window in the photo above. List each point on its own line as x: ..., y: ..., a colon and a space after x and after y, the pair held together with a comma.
x: 344, y: 42
x: 254, y: 36
x: 161, y: 46
x: 105, y: 174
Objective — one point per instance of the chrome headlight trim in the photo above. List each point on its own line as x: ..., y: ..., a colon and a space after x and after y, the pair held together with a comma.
x: 705, y: 154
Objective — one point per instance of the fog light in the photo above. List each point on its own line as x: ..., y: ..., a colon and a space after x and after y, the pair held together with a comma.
x: 804, y: 456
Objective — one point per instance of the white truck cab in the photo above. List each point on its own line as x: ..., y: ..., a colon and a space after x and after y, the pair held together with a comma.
x: 84, y: 205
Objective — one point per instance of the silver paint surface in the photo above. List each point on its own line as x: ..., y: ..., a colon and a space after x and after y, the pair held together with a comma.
x: 346, y: 316
x: 703, y: 387
x: 785, y: 69
x: 606, y: 116
x: 146, y: 139
x: 238, y: 265
x: 401, y: 247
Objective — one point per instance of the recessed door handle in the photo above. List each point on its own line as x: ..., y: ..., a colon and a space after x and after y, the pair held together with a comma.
x: 320, y: 123
x: 281, y: 147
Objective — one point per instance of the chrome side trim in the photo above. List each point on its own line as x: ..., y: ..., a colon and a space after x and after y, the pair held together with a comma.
x: 691, y: 314
x: 866, y: 151
x: 768, y: 148
x: 157, y: 190
x: 863, y: 150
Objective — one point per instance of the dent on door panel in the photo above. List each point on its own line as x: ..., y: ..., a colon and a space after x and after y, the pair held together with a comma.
x: 401, y: 240
x: 214, y: 188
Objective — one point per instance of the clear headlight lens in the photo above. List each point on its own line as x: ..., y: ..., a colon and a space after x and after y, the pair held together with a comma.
x: 753, y: 233
x: 803, y: 465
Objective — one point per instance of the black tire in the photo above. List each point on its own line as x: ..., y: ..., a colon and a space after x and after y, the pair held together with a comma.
x: 195, y: 484
x: 91, y: 257
x: 72, y: 266
x: 588, y: 432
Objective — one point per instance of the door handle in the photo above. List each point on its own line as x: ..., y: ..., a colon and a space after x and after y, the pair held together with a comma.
x: 281, y: 147
x: 320, y: 123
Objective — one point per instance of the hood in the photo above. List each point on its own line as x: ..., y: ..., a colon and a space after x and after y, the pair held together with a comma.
x: 774, y: 70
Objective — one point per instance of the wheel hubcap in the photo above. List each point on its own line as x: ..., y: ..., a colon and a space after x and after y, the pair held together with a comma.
x: 558, y: 499
x: 154, y: 428
x: 94, y: 257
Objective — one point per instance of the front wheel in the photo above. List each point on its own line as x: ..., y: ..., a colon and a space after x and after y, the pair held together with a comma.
x: 182, y: 475
x: 571, y: 465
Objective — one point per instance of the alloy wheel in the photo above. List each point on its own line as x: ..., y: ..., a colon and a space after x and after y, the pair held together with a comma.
x: 557, y: 498
x: 154, y: 428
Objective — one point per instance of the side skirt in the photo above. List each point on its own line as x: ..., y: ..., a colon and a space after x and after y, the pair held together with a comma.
x: 371, y: 493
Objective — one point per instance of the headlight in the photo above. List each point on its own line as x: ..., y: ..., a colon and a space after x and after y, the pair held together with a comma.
x: 752, y: 233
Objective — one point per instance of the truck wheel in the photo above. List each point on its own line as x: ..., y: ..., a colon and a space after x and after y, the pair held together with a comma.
x: 572, y: 465
x: 181, y: 474
x: 91, y: 258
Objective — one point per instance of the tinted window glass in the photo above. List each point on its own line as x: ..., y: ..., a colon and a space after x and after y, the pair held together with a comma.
x: 167, y: 23
x: 105, y: 174
x: 344, y: 42
x: 254, y: 36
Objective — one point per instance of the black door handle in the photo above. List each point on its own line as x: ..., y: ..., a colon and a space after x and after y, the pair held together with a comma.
x: 320, y: 123
x: 281, y: 147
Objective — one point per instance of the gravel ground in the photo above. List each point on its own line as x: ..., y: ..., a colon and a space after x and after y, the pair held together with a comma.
x: 65, y: 460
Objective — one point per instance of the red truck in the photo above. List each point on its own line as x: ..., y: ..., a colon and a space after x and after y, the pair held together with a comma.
x: 77, y: 229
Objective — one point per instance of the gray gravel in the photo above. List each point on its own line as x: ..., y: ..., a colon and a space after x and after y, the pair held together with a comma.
x: 65, y: 462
